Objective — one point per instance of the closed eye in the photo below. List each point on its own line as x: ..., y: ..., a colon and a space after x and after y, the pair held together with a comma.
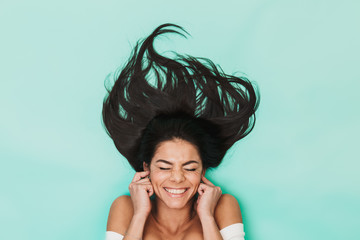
x: 164, y: 168
x: 191, y: 170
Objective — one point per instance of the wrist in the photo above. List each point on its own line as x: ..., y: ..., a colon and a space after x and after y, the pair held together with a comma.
x: 127, y: 235
x: 140, y: 216
x: 206, y: 217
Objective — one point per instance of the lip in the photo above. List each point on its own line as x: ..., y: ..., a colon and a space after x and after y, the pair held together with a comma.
x: 174, y: 195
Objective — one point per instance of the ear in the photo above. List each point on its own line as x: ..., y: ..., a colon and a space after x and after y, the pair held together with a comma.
x: 203, y: 172
x: 146, y: 166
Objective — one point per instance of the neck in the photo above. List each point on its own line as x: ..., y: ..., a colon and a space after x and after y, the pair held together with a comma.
x: 170, y: 219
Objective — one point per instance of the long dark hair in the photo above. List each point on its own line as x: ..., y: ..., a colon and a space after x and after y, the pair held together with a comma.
x: 157, y: 98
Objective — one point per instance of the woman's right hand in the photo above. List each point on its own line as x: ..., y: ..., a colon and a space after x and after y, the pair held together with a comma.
x: 140, y: 190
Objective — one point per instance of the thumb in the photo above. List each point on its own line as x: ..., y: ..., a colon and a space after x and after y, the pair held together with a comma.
x: 197, y: 200
x: 151, y: 191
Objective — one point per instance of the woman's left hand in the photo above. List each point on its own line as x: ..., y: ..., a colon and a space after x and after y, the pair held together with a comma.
x: 209, y: 195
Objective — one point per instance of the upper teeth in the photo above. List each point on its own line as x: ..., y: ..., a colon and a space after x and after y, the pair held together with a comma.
x: 175, y: 191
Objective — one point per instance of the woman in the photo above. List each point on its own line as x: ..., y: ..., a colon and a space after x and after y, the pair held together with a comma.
x: 173, y: 118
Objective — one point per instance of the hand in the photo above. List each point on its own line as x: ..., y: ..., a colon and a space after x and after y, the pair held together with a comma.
x: 140, y: 190
x: 209, y: 195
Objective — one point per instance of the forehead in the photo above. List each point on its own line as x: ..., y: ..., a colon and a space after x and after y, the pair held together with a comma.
x: 177, y: 150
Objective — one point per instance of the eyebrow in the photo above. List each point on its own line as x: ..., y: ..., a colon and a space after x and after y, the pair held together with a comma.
x: 167, y: 162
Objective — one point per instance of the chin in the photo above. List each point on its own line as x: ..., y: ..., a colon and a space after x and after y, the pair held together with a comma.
x: 176, y: 204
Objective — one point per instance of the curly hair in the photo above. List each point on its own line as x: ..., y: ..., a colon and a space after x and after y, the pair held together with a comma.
x: 157, y: 98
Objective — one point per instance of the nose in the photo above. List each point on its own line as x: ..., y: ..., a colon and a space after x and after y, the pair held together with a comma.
x: 177, y: 176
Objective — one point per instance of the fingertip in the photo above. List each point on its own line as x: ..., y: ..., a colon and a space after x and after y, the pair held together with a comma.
x: 204, y: 179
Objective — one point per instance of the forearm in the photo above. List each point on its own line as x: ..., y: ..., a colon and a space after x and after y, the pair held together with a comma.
x: 210, y: 228
x: 136, y: 228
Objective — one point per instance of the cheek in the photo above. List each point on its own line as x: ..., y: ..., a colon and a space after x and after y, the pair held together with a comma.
x: 157, y: 175
x: 194, y: 177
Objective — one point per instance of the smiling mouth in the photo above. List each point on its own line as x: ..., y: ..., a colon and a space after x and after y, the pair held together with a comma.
x: 176, y: 191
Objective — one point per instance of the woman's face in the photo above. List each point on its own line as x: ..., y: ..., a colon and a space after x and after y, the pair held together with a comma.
x: 175, y: 172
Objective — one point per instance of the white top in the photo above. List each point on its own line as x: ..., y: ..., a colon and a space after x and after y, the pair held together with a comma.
x: 232, y: 232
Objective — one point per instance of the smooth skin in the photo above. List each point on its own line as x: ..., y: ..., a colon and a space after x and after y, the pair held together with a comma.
x: 176, y: 164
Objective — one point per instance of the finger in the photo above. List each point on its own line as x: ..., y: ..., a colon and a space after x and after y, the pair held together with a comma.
x: 139, y: 187
x: 148, y: 188
x: 206, y: 181
x: 144, y: 180
x: 140, y: 175
x: 202, y: 188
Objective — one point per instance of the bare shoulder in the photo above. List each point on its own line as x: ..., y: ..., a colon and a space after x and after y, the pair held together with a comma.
x: 227, y: 211
x: 121, y: 212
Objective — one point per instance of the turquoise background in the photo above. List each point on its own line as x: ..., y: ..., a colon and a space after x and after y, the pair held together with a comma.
x: 296, y: 175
